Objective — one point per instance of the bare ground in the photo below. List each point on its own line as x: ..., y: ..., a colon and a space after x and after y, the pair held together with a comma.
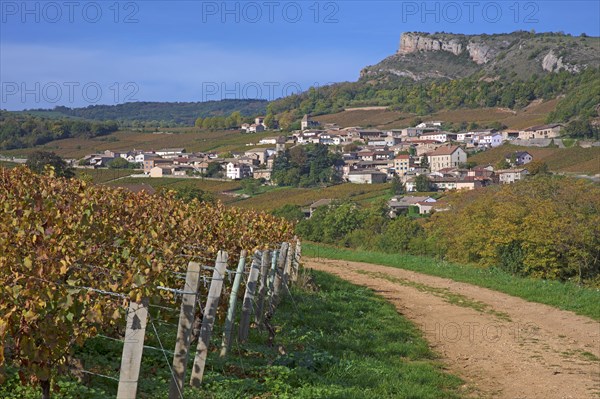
x: 501, y: 346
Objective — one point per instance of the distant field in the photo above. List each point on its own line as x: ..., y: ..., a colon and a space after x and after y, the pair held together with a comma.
x: 212, y: 186
x: 534, y: 114
x: 104, y: 175
x: 362, y: 193
x: 189, y: 138
x: 273, y: 197
x: 570, y: 160
x: 368, y: 118
x: 8, y: 165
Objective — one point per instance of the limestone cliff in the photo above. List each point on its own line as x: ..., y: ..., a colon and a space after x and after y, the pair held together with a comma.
x: 521, y: 54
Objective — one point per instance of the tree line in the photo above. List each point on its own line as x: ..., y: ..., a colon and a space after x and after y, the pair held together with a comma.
x: 306, y: 166
x: 582, y: 92
x: 545, y: 227
x: 23, y: 131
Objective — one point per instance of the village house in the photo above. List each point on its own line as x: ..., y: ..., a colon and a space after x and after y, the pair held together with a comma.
x: 384, y: 166
x: 482, y: 172
x: 170, y: 152
x: 465, y: 137
x: 260, y: 154
x: 259, y: 174
x: 541, y: 132
x: 253, y: 128
x: 425, y: 146
x: 425, y: 207
x: 400, y: 204
x: 440, y: 137
x: 99, y: 160
x: 369, y: 134
x: 508, y: 176
x: 268, y: 141
x: 510, y: 134
x: 307, y: 123
x: 367, y: 176
x: 430, y: 125
x: 489, y: 140
x: 315, y: 205
x: 401, y: 164
x: 518, y: 158
x: 377, y: 141
x: 445, y: 157
x: 151, y: 162
x: 236, y: 171
x: 168, y: 170
x: 472, y: 182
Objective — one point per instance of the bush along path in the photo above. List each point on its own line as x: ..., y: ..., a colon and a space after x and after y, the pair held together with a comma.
x: 502, y: 346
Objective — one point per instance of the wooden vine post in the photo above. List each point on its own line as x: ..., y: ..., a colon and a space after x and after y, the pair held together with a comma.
x: 225, y: 344
x: 262, y: 287
x: 131, y: 359
x: 287, y: 268
x: 184, y: 330
x: 249, y: 296
x: 296, y: 262
x: 208, y: 319
x: 278, y: 280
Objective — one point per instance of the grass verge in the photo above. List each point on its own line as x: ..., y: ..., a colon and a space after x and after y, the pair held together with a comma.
x: 334, y: 340
x: 567, y: 296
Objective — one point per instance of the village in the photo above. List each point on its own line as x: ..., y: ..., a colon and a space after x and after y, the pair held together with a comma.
x: 370, y: 156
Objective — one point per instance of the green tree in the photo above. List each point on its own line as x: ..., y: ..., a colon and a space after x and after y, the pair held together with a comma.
x: 38, y: 161
x: 422, y: 183
x: 399, y: 233
x: 290, y: 212
x: 120, y: 163
x: 502, y: 164
x: 189, y: 192
x: 397, y: 186
x: 269, y: 121
x: 537, y: 168
x: 424, y: 162
x: 250, y: 186
x: 214, y: 169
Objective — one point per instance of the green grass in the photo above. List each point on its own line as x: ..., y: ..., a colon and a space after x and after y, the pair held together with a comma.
x: 444, y: 293
x: 8, y: 164
x: 563, y: 295
x: 334, y: 340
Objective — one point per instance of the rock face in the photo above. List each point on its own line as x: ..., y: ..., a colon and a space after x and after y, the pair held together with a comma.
x: 479, y: 52
x: 553, y: 63
x: 453, y: 56
x: 411, y: 43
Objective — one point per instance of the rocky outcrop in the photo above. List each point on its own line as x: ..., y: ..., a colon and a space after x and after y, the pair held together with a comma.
x: 553, y: 63
x: 413, y: 42
x: 368, y: 73
x: 479, y: 52
x: 452, y: 56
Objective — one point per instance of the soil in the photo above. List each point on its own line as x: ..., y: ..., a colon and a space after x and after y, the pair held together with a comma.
x: 500, y: 345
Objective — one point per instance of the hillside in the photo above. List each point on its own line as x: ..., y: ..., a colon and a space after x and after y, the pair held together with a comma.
x: 520, y: 54
x: 534, y: 114
x: 183, y: 113
x: 560, y: 160
x: 433, y: 73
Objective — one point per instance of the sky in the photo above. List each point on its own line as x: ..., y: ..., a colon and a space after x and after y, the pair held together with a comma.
x: 79, y: 53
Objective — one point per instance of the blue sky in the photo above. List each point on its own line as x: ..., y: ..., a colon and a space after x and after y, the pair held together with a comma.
x: 81, y: 53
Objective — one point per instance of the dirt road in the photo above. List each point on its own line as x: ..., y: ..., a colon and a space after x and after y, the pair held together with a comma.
x: 502, y: 346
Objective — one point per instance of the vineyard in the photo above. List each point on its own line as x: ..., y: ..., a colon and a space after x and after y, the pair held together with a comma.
x: 74, y: 257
